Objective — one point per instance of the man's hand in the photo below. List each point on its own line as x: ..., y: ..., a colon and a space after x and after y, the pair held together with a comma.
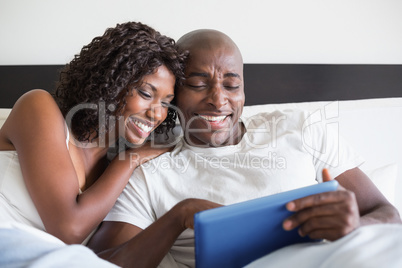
x: 189, y: 207
x: 329, y: 215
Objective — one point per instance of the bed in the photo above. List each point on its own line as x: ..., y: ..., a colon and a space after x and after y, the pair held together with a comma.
x: 363, y: 101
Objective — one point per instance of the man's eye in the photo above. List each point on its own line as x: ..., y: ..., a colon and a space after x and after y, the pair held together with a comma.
x: 196, y: 86
x: 232, y: 87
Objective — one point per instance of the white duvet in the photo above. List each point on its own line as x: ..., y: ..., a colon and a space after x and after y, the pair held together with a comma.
x: 370, y: 246
x: 25, y: 246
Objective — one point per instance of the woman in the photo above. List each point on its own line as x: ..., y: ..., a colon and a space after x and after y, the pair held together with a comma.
x: 53, y: 149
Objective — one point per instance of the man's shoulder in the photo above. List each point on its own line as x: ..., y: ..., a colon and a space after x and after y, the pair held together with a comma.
x: 288, y: 116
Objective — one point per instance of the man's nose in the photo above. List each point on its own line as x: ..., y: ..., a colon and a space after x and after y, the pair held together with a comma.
x: 217, y: 97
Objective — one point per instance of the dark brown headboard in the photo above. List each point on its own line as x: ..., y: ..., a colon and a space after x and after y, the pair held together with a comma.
x: 264, y: 83
x: 16, y: 80
x: 282, y: 83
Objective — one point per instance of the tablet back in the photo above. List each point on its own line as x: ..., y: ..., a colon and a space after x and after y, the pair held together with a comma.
x: 235, y: 235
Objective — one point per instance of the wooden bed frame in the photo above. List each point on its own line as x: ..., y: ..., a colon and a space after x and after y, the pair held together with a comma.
x: 264, y: 83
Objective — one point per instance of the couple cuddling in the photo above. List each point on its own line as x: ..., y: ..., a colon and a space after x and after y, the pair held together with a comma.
x: 147, y: 78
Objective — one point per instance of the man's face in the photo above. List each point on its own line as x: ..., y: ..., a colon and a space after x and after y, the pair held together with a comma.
x: 211, y: 99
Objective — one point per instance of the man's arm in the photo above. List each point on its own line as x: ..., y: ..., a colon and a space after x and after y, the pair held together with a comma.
x: 373, y: 206
x: 127, y: 245
x: 333, y: 215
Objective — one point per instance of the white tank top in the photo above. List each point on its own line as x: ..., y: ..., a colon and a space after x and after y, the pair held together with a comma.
x: 16, y: 204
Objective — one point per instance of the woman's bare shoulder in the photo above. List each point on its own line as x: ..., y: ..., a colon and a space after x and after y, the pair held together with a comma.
x: 35, y: 97
x: 34, y: 113
x: 36, y: 104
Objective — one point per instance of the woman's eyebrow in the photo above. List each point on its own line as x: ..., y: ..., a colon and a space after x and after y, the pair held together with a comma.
x: 154, y: 89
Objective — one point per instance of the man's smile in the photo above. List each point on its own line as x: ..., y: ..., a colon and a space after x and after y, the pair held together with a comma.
x: 212, y: 118
x: 215, y: 122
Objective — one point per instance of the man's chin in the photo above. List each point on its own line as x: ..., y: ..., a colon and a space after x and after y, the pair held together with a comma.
x: 216, y: 139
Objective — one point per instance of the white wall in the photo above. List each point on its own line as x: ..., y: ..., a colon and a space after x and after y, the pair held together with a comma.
x: 267, y: 31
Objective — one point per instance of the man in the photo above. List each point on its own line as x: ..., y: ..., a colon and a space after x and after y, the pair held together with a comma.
x: 213, y: 165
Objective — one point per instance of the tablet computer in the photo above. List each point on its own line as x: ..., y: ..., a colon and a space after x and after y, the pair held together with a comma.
x: 237, y: 234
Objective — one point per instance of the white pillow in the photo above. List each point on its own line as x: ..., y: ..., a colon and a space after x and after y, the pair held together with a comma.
x: 385, y: 179
x: 369, y: 127
x: 4, y: 112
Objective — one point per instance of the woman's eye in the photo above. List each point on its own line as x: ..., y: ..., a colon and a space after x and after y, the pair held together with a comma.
x: 144, y: 94
x: 165, y: 104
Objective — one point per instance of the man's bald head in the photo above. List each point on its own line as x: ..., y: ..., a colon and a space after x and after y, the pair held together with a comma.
x: 207, y: 39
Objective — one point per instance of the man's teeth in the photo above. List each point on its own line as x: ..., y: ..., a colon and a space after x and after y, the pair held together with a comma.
x: 142, y: 126
x: 213, y: 118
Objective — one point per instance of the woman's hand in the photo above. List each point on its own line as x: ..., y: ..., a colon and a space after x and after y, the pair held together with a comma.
x: 140, y: 155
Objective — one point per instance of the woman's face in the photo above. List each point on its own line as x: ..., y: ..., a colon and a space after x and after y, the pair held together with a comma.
x: 147, y: 107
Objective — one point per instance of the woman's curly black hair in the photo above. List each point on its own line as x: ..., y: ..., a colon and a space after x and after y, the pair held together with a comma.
x: 106, y: 71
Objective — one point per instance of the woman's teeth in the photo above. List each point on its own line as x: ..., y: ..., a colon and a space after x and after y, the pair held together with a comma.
x: 142, y: 126
x: 213, y: 118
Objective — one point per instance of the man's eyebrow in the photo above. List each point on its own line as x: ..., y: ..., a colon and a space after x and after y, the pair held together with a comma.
x: 198, y: 74
x: 232, y: 75
x: 206, y: 75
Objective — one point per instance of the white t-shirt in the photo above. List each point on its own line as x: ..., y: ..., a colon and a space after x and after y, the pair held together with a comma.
x: 280, y: 151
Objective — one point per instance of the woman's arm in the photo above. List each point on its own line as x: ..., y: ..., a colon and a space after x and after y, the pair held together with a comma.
x: 36, y: 129
x: 98, y: 199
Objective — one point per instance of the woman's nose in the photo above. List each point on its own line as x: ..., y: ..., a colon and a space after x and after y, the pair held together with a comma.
x: 155, y: 112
